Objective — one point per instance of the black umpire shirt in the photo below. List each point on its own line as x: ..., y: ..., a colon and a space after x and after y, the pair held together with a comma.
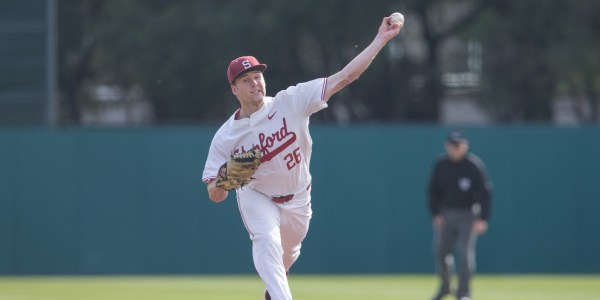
x: 459, y: 185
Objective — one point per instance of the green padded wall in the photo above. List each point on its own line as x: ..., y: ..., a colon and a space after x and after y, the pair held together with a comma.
x: 131, y: 201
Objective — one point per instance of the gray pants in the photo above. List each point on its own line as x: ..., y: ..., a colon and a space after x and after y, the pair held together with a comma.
x: 455, y: 235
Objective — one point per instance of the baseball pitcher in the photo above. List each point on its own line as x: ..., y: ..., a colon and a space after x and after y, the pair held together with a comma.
x: 263, y: 152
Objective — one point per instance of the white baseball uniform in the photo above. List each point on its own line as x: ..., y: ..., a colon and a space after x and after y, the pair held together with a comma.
x: 275, y: 205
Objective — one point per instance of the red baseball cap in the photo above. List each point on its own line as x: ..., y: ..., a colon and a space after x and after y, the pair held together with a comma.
x: 241, y: 65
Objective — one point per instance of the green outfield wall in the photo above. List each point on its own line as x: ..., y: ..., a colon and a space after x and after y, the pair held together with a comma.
x: 131, y: 201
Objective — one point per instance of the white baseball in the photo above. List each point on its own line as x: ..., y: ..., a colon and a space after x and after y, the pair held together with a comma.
x: 397, y: 17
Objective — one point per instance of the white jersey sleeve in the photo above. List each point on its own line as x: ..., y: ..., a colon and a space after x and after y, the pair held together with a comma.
x: 216, y: 156
x: 305, y: 98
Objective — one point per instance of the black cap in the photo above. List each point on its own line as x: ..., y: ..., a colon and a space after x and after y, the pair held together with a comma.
x: 456, y: 138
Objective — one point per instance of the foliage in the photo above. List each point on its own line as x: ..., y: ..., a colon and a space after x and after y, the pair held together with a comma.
x: 75, y: 48
x: 177, y: 52
x: 576, y: 61
x: 535, y: 53
x: 518, y: 83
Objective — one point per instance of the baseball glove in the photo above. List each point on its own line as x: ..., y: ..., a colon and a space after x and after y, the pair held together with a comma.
x: 238, y: 170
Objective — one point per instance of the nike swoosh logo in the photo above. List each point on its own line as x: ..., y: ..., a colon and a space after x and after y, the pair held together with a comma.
x: 271, y: 116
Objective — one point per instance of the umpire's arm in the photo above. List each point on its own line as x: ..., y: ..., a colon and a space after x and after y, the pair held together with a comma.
x: 485, y: 193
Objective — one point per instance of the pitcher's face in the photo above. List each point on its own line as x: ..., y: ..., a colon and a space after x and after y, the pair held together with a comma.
x: 250, y: 88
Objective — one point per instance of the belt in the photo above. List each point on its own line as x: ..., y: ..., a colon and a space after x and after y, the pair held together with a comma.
x: 285, y: 198
x: 282, y: 199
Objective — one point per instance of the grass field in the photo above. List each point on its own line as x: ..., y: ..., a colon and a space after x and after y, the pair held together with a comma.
x: 304, y: 287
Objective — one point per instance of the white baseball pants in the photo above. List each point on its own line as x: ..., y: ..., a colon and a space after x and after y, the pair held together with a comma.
x: 277, y: 231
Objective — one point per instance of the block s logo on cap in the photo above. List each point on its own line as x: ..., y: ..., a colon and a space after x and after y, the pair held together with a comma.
x: 246, y: 64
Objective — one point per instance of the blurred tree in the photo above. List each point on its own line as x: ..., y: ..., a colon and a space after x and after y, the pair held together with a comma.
x: 75, y: 49
x: 518, y: 82
x: 177, y: 53
x: 173, y: 50
x: 440, y: 20
x: 575, y: 59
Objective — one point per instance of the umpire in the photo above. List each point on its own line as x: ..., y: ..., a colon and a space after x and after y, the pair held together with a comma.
x: 459, y: 203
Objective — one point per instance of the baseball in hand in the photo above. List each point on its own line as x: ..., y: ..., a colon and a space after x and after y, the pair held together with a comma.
x: 397, y: 17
